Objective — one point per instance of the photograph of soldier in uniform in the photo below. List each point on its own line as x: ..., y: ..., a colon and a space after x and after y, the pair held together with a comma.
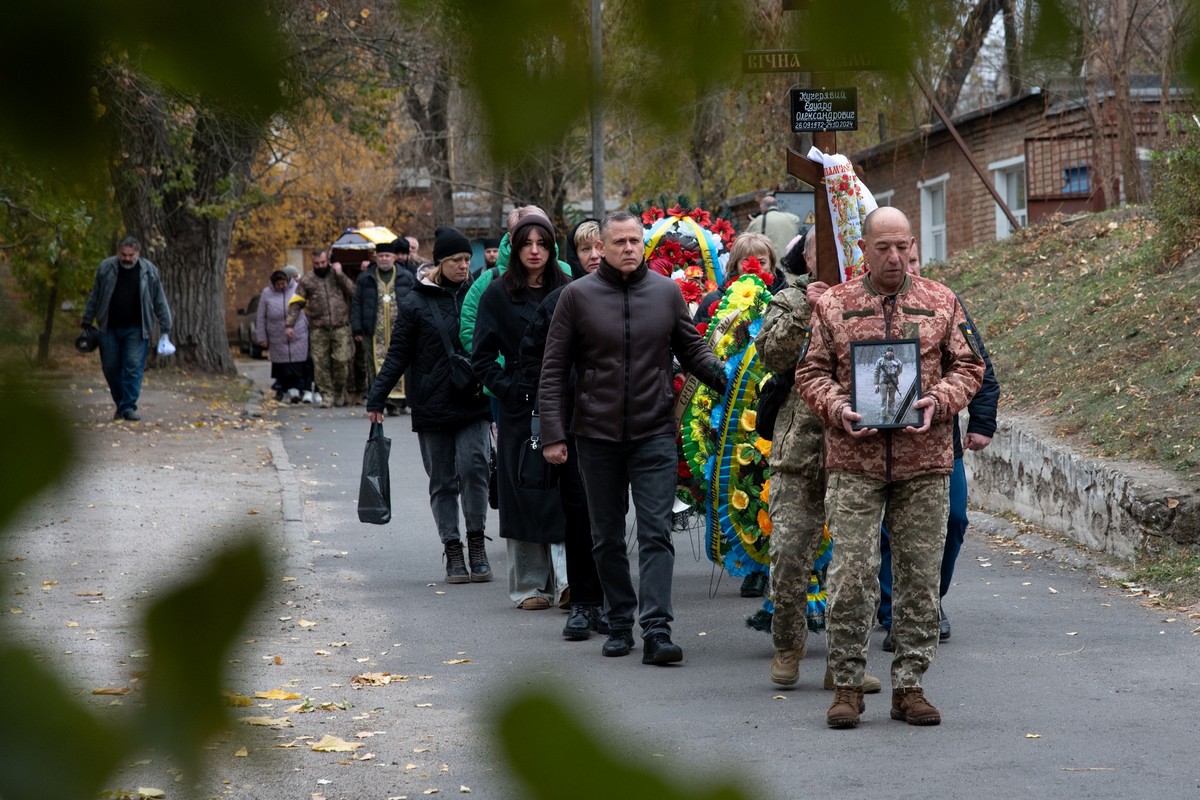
x: 886, y: 382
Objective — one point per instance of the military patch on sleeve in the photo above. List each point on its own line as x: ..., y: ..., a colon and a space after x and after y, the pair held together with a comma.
x: 805, y: 344
x: 968, y: 333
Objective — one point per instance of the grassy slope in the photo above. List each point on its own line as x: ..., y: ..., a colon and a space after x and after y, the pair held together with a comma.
x: 1084, y: 323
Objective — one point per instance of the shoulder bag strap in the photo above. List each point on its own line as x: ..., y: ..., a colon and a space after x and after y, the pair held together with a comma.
x: 440, y: 322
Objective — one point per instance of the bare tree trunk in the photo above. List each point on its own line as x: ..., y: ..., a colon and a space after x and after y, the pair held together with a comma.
x: 43, y: 352
x: 966, y: 49
x: 1131, y: 168
x: 432, y: 119
x: 179, y: 172
x: 1012, y: 49
x: 704, y: 146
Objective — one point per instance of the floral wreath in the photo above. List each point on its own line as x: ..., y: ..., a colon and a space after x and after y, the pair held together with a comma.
x: 686, y: 243
x: 722, y: 450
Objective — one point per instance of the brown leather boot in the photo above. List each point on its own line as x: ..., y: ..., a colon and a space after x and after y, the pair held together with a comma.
x: 847, y: 705
x: 785, y: 667
x: 910, y: 705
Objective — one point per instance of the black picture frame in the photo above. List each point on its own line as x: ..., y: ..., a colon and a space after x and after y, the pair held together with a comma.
x: 871, y: 402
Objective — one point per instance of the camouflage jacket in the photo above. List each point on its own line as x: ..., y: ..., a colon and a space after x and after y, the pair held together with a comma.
x: 798, y: 432
x: 327, y: 300
x: 951, y: 373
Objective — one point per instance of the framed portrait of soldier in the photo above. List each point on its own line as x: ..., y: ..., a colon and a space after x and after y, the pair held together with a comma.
x: 885, y: 383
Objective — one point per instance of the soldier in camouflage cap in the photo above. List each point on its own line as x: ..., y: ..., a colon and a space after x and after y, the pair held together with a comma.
x: 904, y: 473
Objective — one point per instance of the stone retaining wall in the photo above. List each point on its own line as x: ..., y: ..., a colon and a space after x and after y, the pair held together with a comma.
x: 1117, y: 508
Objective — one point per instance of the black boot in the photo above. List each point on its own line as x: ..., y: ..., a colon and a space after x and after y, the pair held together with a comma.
x: 579, y: 624
x: 481, y: 570
x: 456, y: 567
x: 600, y: 620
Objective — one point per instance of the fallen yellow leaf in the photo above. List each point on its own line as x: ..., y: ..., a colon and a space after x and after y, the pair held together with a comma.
x: 1033, y: 736
x: 458, y: 661
x: 372, y: 679
x: 120, y: 691
x: 241, y: 752
x: 277, y: 694
x: 332, y: 744
x: 268, y: 722
x: 237, y: 700
x: 150, y: 794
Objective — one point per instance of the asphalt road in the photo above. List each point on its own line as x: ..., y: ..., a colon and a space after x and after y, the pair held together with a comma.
x: 1057, y: 681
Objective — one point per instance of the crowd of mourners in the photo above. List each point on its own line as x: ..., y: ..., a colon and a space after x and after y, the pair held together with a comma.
x: 543, y: 386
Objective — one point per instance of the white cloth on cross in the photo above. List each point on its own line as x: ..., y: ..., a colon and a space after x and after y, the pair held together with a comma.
x: 849, y: 203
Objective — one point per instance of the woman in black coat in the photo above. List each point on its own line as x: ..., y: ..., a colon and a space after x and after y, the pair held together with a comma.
x: 453, y: 426
x: 531, y: 511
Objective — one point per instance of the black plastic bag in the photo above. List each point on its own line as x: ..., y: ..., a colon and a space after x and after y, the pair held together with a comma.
x: 375, y: 488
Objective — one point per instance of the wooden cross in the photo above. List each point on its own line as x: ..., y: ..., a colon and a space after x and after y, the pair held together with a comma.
x: 813, y: 174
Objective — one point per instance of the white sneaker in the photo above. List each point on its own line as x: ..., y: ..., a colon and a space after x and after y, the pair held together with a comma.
x: 317, y: 398
x: 307, y: 397
x: 294, y: 395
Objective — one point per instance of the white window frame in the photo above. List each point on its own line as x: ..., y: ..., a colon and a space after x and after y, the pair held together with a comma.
x: 884, y: 198
x: 928, y: 230
x: 999, y: 169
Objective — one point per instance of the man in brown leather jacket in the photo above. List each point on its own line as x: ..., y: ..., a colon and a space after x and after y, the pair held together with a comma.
x: 618, y: 327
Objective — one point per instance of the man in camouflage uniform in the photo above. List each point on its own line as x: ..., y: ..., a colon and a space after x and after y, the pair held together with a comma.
x: 887, y: 382
x: 797, y: 493
x: 325, y: 293
x: 904, y: 473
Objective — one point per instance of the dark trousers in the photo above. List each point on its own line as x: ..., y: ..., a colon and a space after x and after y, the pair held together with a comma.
x: 581, y: 564
x: 610, y: 471
x: 956, y: 531
x: 123, y: 359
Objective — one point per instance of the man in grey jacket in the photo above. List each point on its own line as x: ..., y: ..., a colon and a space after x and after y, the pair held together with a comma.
x: 617, y: 327
x: 127, y: 296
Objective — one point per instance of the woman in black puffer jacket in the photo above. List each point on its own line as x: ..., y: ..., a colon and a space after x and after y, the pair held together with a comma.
x: 453, y: 426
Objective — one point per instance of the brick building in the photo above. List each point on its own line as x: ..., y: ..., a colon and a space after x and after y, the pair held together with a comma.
x: 1043, y: 153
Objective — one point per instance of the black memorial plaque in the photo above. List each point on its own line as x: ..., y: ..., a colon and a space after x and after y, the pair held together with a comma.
x: 824, y: 109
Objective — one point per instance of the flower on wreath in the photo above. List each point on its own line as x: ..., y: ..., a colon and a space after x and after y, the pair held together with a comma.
x: 691, y: 292
x: 701, y: 327
x: 754, y: 267
x: 749, y: 419
x: 764, y: 522
x: 724, y: 229
x: 739, y: 500
x: 651, y: 215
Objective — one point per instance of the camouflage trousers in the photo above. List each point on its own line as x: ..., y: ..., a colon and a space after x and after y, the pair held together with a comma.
x: 797, y: 507
x: 332, y: 352
x: 916, y: 518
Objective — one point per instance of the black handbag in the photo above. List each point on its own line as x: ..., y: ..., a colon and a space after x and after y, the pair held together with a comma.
x: 533, y: 470
x: 375, y: 486
x: 462, y: 376
x: 772, y: 394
